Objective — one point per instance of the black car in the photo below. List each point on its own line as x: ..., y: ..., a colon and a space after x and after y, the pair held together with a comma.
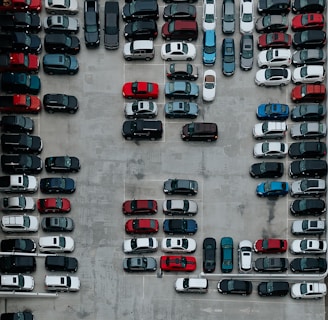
x: 139, y: 10
x: 180, y: 226
x: 18, y: 245
x: 308, y: 168
x: 141, y: 30
x: 57, y: 185
x: 309, y: 57
x: 231, y: 286
x: 91, y: 24
x: 267, y: 170
x: 58, y: 102
x: 268, y: 264
x: 19, y: 82
x: 112, y: 25
x: 17, y: 124
x: 60, y: 224
x: 61, y: 43
x: 20, y: 21
x: 21, y: 143
x: 209, y: 255
x: 246, y: 52
x: 142, y: 129
x: 15, y: 263
x: 309, y: 39
x: 180, y: 186
x: 20, y: 315
x: 182, y: 71
x: 307, y: 207
x: 273, y: 6
x: 308, y: 6
x: 311, y: 112
x: 307, y: 149
x: 61, y: 263
x: 20, y: 42
x: 62, y: 164
x: 273, y: 289
x: 21, y: 163
x: 181, y: 11
x: 308, y: 265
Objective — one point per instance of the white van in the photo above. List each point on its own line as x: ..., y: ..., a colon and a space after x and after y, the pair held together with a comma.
x: 194, y: 285
x: 139, y: 50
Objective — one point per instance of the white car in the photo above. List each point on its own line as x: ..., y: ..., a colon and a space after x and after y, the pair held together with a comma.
x: 19, y: 223
x: 180, y: 207
x: 270, y: 130
x: 309, y: 74
x: 245, y: 255
x: 209, y: 15
x: 56, y: 244
x: 140, y: 245
x: 61, y: 6
x: 273, y: 77
x: 308, y: 187
x: 178, y: 51
x: 270, y: 150
x: 308, y: 246
x: 308, y: 290
x: 16, y: 282
x: 246, y: 16
x: 274, y: 58
x: 19, y: 203
x: 308, y: 227
x: 62, y: 283
x: 209, y: 85
x: 178, y: 245
x: 140, y: 109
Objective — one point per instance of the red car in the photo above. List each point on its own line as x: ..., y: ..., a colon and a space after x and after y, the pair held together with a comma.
x: 140, y: 90
x: 20, y: 5
x: 139, y: 207
x: 53, y: 205
x: 141, y: 226
x: 270, y: 245
x: 20, y: 103
x: 308, y: 93
x: 178, y: 263
x: 20, y: 62
x: 274, y: 40
x: 308, y: 21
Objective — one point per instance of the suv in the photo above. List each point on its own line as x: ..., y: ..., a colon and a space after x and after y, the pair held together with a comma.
x: 17, y: 124
x: 111, y: 29
x: 59, y: 42
x: 308, y: 168
x: 141, y: 30
x: 139, y: 50
x: 274, y: 58
x: 199, y: 131
x: 270, y: 130
x: 139, y: 10
x: 13, y: 263
x: 308, y: 187
x: 142, y: 129
x: 19, y: 223
x: 180, y: 30
x: 61, y: 263
x: 62, y: 283
x: 308, y: 92
x: 57, y: 63
x: 91, y: 24
x: 21, y: 143
x: 16, y: 282
x: 300, y: 227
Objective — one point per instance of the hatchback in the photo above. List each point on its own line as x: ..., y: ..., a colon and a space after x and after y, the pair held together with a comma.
x: 309, y: 56
x: 309, y: 39
x: 232, y: 286
x: 21, y: 163
x: 226, y: 245
x: 308, y: 168
x: 209, y: 48
x: 308, y: 21
x: 267, y: 170
x: 308, y: 130
x: 180, y: 30
x: 309, y: 112
x: 308, y: 93
x: 272, y: 189
x: 273, y: 77
x: 273, y: 6
x: 269, y: 264
x: 181, y: 109
x: 228, y: 56
x: 308, y: 187
x: 181, y: 11
x: 140, y: 10
x: 60, y: 64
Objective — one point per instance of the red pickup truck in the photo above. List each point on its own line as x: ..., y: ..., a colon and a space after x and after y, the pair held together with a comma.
x: 20, y: 5
x: 20, y: 103
x: 19, y: 62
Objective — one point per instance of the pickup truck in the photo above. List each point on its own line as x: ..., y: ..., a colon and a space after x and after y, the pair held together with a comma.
x: 20, y: 21
x: 20, y: 5
x: 91, y: 24
x: 20, y: 42
x: 18, y: 183
x: 22, y: 62
x: 20, y: 103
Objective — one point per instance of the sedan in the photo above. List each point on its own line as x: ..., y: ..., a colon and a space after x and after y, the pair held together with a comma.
x: 309, y: 112
x: 270, y: 246
x: 62, y: 164
x: 178, y: 51
x: 178, y: 245
x: 246, y: 52
x: 209, y: 15
x: 308, y: 246
x: 308, y: 93
x: 138, y: 264
x: 57, y: 185
x: 58, y: 102
x: 308, y: 21
x: 273, y: 289
x: 270, y: 150
x: 180, y: 226
x: 61, y: 24
x: 246, y: 16
x: 139, y: 207
x: 181, y: 109
x: 309, y: 56
x: 61, y: 6
x: 274, y: 58
x: 140, y: 245
x: 178, y: 263
x: 17, y: 204
x: 231, y: 286
x: 228, y: 56
x: 18, y: 245
x: 307, y: 149
x: 181, y: 11
x: 57, y: 224
x: 308, y: 227
x: 141, y: 109
x: 209, y: 85
x: 271, y: 264
x: 56, y: 244
x: 308, y: 265
x: 53, y: 205
x: 272, y: 23
x: 140, y: 90
x: 141, y: 226
x: 267, y: 170
x: 182, y: 71
x: 309, y: 74
x: 180, y: 207
x: 209, y: 255
x: 272, y: 189
x: 308, y: 130
x: 273, y: 7
x: 180, y: 186
x: 308, y: 207
x: 307, y: 6
x: 308, y: 290
x: 274, y: 40
x: 181, y: 90
x: 272, y: 111
x: 309, y: 39
x: 273, y: 77
x: 308, y: 187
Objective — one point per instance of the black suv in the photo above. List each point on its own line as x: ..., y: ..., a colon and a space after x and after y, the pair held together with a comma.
x: 20, y: 21
x: 21, y: 163
x: 307, y: 149
x: 308, y: 168
x: 141, y: 30
x: 112, y: 27
x: 139, y: 10
x: 60, y: 102
x: 209, y: 254
x: 267, y: 170
x: 20, y: 42
x: 91, y: 24
x: 273, y: 6
x: 17, y: 124
x: 21, y: 143
x: 61, y: 263
x: 17, y: 264
x: 61, y: 43
x: 142, y: 129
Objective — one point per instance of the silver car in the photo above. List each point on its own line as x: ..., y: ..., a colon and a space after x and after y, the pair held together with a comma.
x: 61, y: 24
x: 308, y: 227
x: 309, y: 56
x: 308, y: 290
x: 228, y: 16
x: 308, y: 187
x: 19, y: 203
x: 308, y: 130
x: 141, y: 109
x: 180, y: 207
x: 178, y: 245
x: 246, y: 51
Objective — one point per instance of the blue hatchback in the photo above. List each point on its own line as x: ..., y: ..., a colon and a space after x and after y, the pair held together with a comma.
x: 272, y: 111
x: 272, y: 189
x: 226, y: 254
x: 209, y: 48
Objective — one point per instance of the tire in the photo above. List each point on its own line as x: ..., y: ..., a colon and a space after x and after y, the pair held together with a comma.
x: 189, y: 59
x: 147, y: 59
x: 168, y: 59
x: 71, y: 111
x: 50, y: 111
x: 129, y: 59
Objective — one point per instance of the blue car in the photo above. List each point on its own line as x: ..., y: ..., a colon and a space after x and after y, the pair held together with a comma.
x: 228, y: 56
x: 209, y: 48
x: 180, y: 226
x: 272, y: 111
x: 272, y: 189
x: 57, y: 185
x: 226, y: 254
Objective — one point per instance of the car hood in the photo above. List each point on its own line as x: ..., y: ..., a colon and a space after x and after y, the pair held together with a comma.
x: 228, y: 67
x: 35, y: 83
x: 112, y: 40
x: 228, y: 27
x: 92, y: 37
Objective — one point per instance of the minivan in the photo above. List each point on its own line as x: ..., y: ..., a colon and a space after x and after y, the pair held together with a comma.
x: 199, y: 131
x: 180, y: 30
x: 142, y: 129
x: 191, y: 285
x: 139, y: 50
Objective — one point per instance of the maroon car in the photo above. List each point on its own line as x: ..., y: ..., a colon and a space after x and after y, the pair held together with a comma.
x: 274, y: 40
x: 141, y: 226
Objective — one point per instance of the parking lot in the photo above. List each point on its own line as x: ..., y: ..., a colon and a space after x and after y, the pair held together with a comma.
x: 114, y: 170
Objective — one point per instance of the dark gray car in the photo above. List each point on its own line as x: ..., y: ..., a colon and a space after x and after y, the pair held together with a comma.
x: 139, y: 264
x: 53, y: 224
x: 111, y: 30
x: 228, y: 16
x: 246, y: 52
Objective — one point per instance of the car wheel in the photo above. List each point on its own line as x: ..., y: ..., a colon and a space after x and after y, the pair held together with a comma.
x: 168, y: 59
x: 147, y: 59
x: 189, y: 59
x: 282, y: 84
x: 71, y: 111
x: 128, y: 138
x: 152, y: 139
x: 264, y: 67
x: 167, y: 38
x: 190, y: 39
x: 129, y: 59
x: 50, y: 111
x: 261, y: 85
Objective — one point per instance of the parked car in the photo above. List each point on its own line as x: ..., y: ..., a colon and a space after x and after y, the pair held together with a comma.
x: 59, y: 102
x: 141, y: 30
x: 307, y: 149
x: 180, y: 226
x: 273, y: 7
x: 308, y: 168
x: 61, y: 6
x: 181, y: 90
x: 306, y: 226
x: 180, y: 186
x: 21, y: 163
x: 181, y: 109
x: 140, y: 245
x: 21, y: 143
x: 273, y: 289
x: 140, y: 90
x: 267, y: 170
x: 274, y: 58
x: 141, y: 226
x: 19, y: 223
x: 308, y: 290
x: 59, y: 63
x: 17, y: 123
x: 61, y: 43
x: 139, y: 50
x: 228, y: 16
x: 140, y: 109
x: 53, y: 205
x: 309, y: 112
x: 308, y: 93
x: 270, y: 150
x: 192, y: 285
x: 57, y: 185
x: 178, y: 245
x: 137, y: 264
x: 228, y: 56
x: 272, y: 111
x: 179, y: 11
x: 272, y: 23
x: 232, y: 286
x: 182, y: 71
x: 112, y: 25
x: 17, y: 264
x: 178, y: 263
x: 273, y: 77
x: 270, y: 130
x: 308, y: 187
x: 309, y: 57
x: 180, y: 30
x: 139, y: 207
x: 26, y: 315
x: 61, y: 24
x: 272, y: 189
x: 178, y: 51
x: 308, y: 130
x: 209, y: 85
x: 209, y: 255
x: 270, y: 245
x: 180, y: 207
x: 21, y: 21
x: 274, y: 40
x: 61, y: 263
x: 246, y: 16
x: 246, y: 51
x: 140, y: 10
x: 18, y: 245
x: 200, y: 131
x: 308, y: 21
x: 308, y: 6
x: 209, y: 48
x: 209, y: 15
x: 16, y: 282
x: 308, y: 265
x: 309, y: 39
x: 17, y: 204
x: 57, y: 224
x: 91, y: 24
x: 245, y: 256
x: 226, y: 248
x: 304, y: 207
x: 308, y: 246
x: 142, y: 129
x: 271, y: 264
x: 16, y: 82
x: 62, y: 164
x: 62, y: 283
x: 56, y: 244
